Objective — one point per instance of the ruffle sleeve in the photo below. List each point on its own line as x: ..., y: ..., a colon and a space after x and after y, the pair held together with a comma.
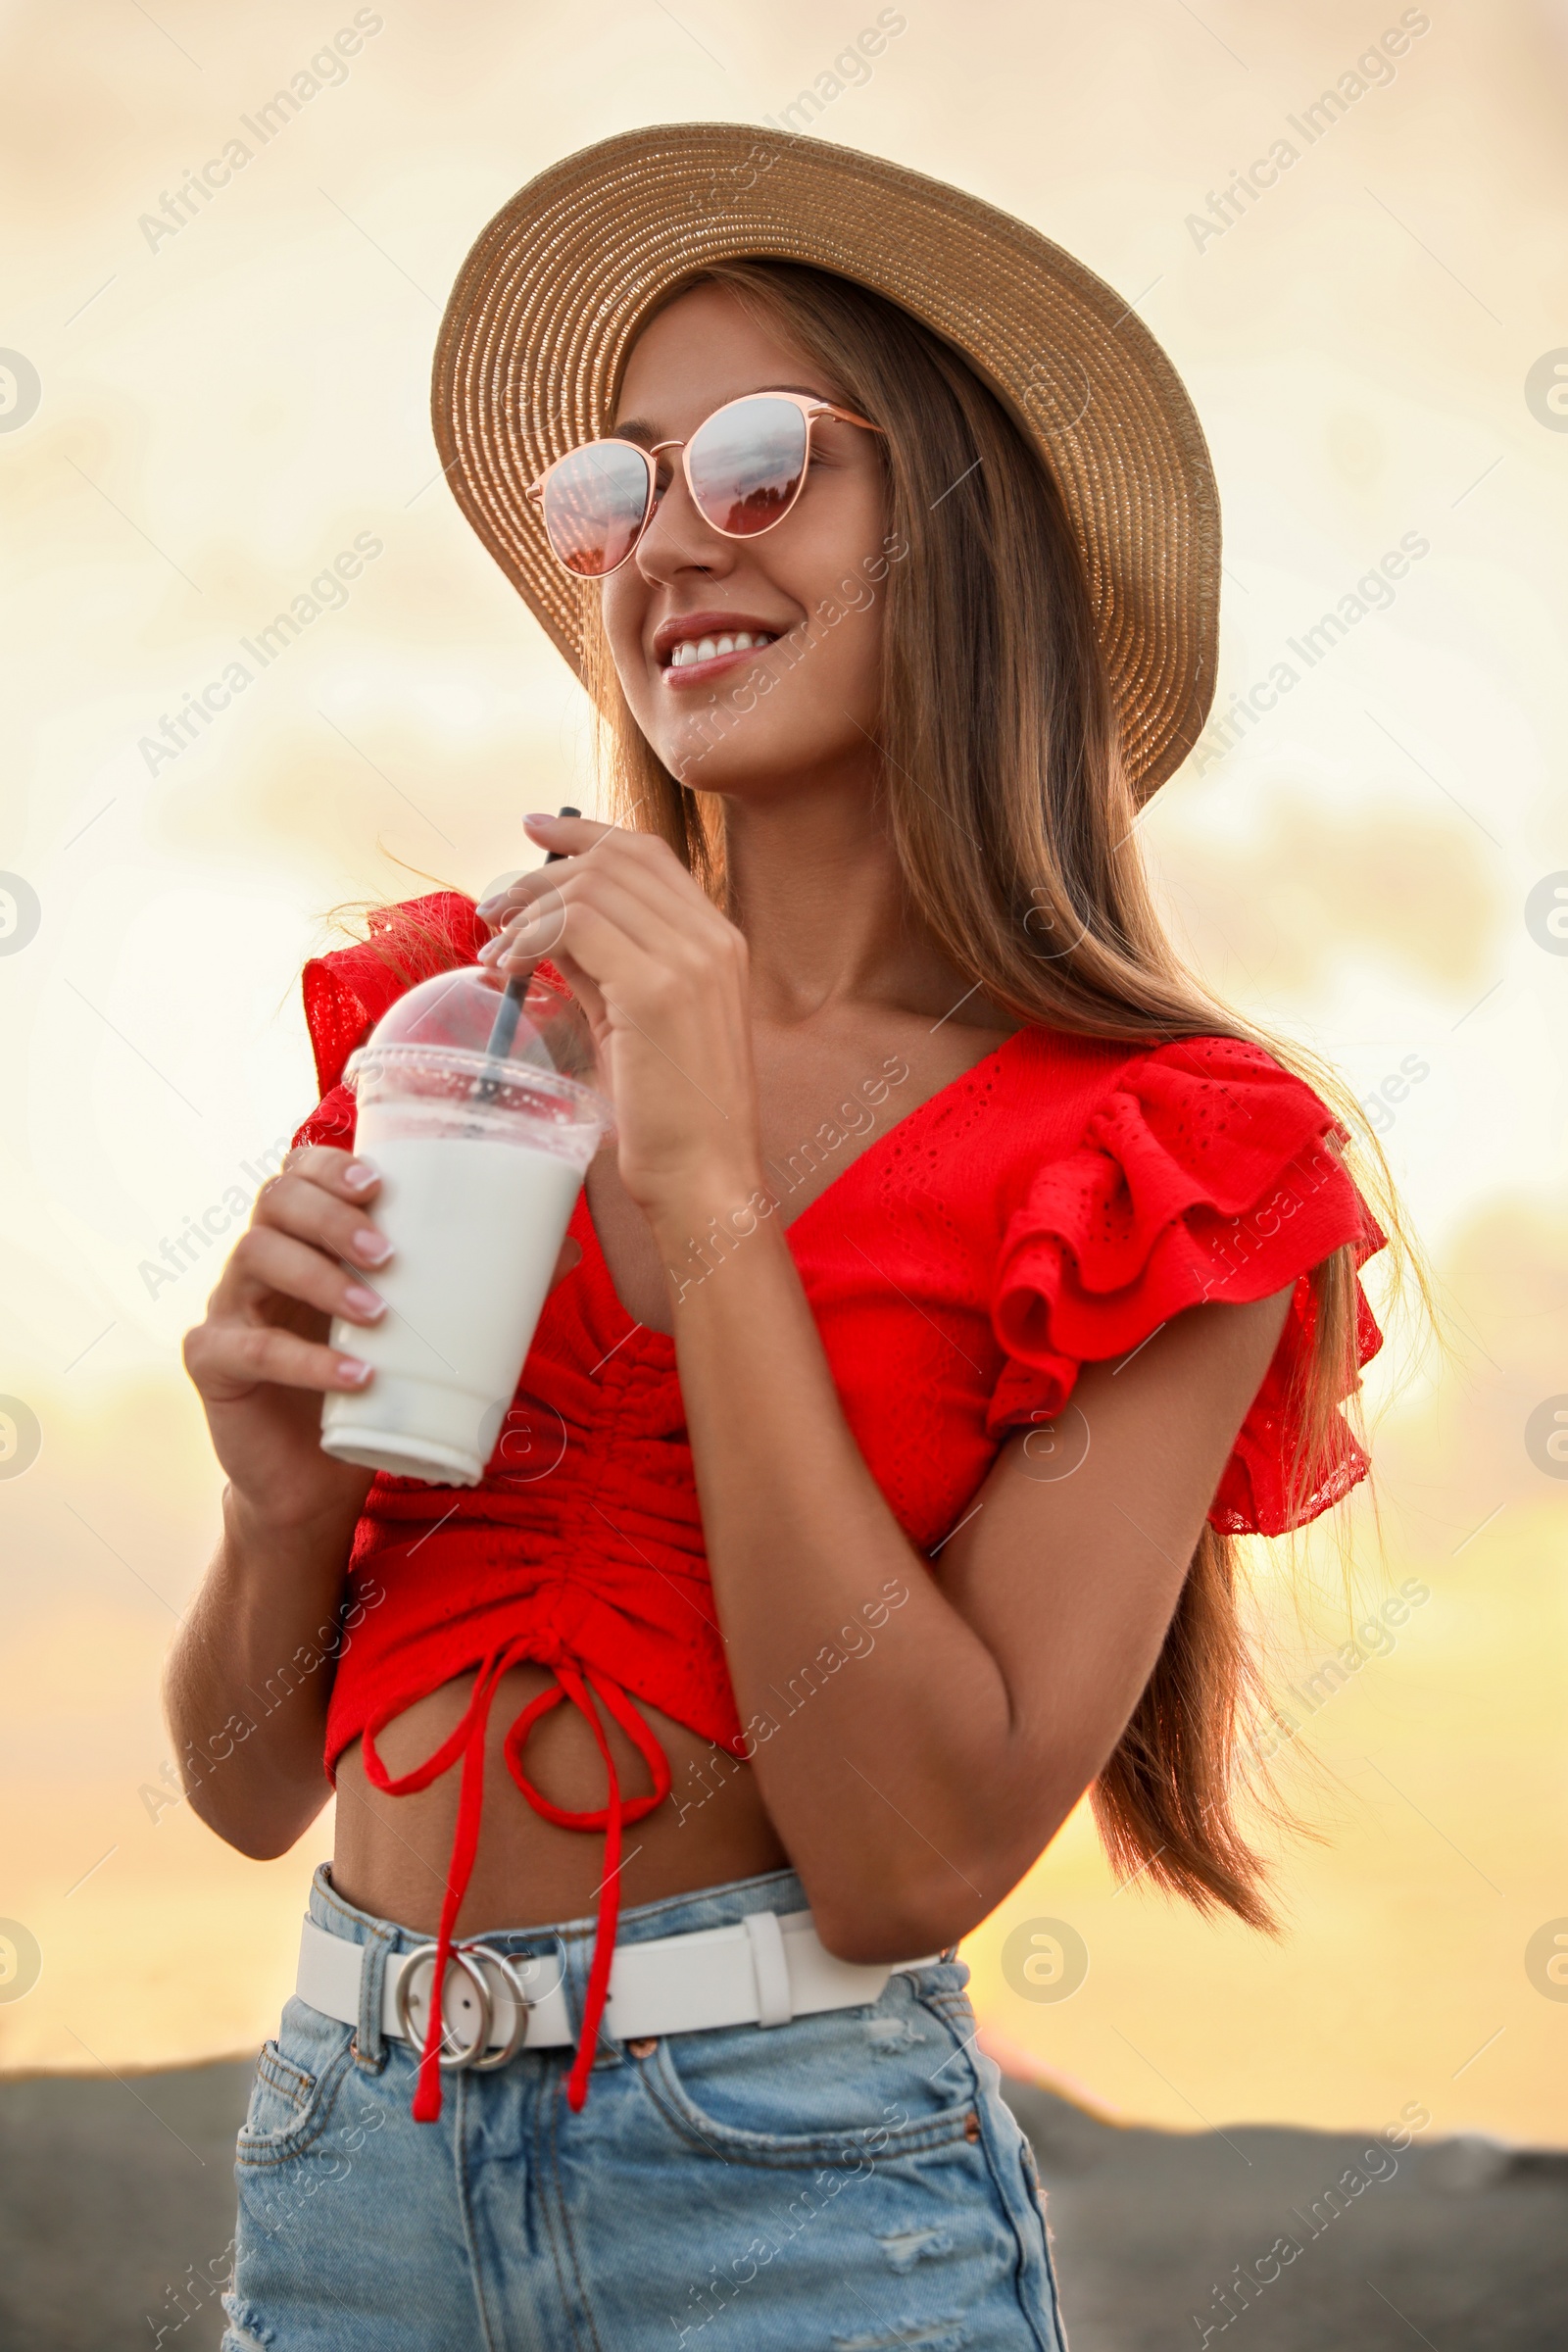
x: 347, y: 990
x: 1207, y: 1172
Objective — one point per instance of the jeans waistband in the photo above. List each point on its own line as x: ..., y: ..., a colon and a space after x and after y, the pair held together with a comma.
x: 722, y: 1906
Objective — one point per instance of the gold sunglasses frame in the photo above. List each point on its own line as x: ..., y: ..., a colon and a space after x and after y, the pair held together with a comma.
x: 812, y: 410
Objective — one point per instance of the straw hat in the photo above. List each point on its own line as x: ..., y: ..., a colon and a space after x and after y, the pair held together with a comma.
x: 549, y: 301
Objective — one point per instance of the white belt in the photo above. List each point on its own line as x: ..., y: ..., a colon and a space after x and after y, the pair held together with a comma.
x: 763, y: 1971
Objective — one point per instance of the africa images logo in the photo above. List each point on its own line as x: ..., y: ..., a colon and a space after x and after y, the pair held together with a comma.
x: 21, y: 391
x: 1546, y: 391
x: 327, y: 593
x: 327, y: 70
x: 196, y: 1234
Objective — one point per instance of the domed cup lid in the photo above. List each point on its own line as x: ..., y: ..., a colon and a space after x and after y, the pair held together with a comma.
x: 462, y: 1026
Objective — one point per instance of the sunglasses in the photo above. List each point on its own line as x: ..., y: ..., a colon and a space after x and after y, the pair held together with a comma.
x: 745, y: 467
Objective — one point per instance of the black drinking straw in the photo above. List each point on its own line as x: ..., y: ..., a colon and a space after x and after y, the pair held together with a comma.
x: 510, y: 1005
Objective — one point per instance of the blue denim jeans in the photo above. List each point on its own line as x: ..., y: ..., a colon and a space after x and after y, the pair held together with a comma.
x: 842, y: 2184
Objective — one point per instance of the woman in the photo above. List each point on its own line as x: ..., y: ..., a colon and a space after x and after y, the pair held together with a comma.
x: 960, y: 1281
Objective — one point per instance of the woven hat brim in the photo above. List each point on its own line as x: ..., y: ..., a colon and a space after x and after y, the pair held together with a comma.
x: 552, y: 296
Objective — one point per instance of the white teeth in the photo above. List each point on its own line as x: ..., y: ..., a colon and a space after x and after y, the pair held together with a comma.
x: 708, y: 649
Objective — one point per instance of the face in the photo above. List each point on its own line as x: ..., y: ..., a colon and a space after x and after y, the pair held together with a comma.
x: 797, y: 710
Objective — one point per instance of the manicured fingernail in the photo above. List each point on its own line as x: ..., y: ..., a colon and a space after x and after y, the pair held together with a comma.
x: 352, y: 1371
x: 539, y: 817
x: 359, y: 1175
x: 491, y: 949
x: 362, y: 1302
x: 372, y: 1246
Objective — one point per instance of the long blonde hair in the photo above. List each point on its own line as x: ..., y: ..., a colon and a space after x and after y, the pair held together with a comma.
x: 1013, y: 820
x: 1011, y: 813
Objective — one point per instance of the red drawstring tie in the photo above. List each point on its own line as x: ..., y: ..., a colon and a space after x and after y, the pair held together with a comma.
x: 582, y: 1686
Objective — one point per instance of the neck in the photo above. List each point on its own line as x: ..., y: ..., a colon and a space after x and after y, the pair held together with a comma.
x: 814, y: 884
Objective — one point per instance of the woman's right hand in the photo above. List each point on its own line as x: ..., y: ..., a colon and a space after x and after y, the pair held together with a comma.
x: 261, y: 1358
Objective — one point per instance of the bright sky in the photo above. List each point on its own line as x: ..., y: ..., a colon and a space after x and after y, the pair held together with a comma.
x: 1373, y: 341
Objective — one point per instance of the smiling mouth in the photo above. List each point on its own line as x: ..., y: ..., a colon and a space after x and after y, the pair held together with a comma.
x: 702, y: 652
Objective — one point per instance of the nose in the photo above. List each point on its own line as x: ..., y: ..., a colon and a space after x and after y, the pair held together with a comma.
x: 678, y: 538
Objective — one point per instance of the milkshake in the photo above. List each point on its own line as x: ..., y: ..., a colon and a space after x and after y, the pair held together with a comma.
x: 481, y: 1157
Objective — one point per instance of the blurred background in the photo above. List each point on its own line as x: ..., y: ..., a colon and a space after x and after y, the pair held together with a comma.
x: 209, y: 391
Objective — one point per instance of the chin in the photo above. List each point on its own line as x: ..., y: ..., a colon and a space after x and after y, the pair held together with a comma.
x: 747, y: 774
x: 749, y: 757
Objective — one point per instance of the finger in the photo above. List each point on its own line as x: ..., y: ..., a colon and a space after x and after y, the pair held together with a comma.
x: 633, y: 985
x: 337, y: 1172
x: 635, y: 879
x: 334, y: 1173
x: 536, y: 931
x: 273, y: 1260
x: 504, y: 904
x: 539, y: 888
x: 294, y: 1203
x: 543, y: 909
x: 643, y: 864
x: 228, y: 1360
x: 584, y: 834
x: 582, y: 985
x: 567, y: 836
x: 593, y: 944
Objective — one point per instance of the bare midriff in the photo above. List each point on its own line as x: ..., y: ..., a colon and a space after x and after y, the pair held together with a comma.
x: 392, y: 1853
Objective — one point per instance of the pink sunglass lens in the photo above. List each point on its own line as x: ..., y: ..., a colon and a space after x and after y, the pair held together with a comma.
x: 745, y: 464
x: 594, y: 505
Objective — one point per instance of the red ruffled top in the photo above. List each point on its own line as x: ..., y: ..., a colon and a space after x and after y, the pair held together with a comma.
x: 1051, y: 1207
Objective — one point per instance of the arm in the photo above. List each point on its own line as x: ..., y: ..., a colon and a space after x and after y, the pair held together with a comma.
x: 246, y: 1706
x: 250, y: 1674
x: 914, y: 1790
x: 249, y: 1678
x: 921, y: 1779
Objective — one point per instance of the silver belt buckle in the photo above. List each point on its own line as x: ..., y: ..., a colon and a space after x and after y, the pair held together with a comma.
x: 466, y: 2056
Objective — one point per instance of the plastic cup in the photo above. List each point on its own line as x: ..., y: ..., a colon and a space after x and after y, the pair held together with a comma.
x: 482, y: 1159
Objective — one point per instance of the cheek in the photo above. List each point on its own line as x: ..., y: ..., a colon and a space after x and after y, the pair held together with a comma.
x: 621, y: 605
x: 824, y: 699
x: 823, y: 705
x: 845, y: 652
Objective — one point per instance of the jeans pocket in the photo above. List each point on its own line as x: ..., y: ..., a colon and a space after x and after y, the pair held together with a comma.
x: 845, y: 2087
x: 297, y: 2079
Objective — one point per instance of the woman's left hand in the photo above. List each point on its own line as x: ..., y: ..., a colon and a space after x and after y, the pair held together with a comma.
x: 662, y: 976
